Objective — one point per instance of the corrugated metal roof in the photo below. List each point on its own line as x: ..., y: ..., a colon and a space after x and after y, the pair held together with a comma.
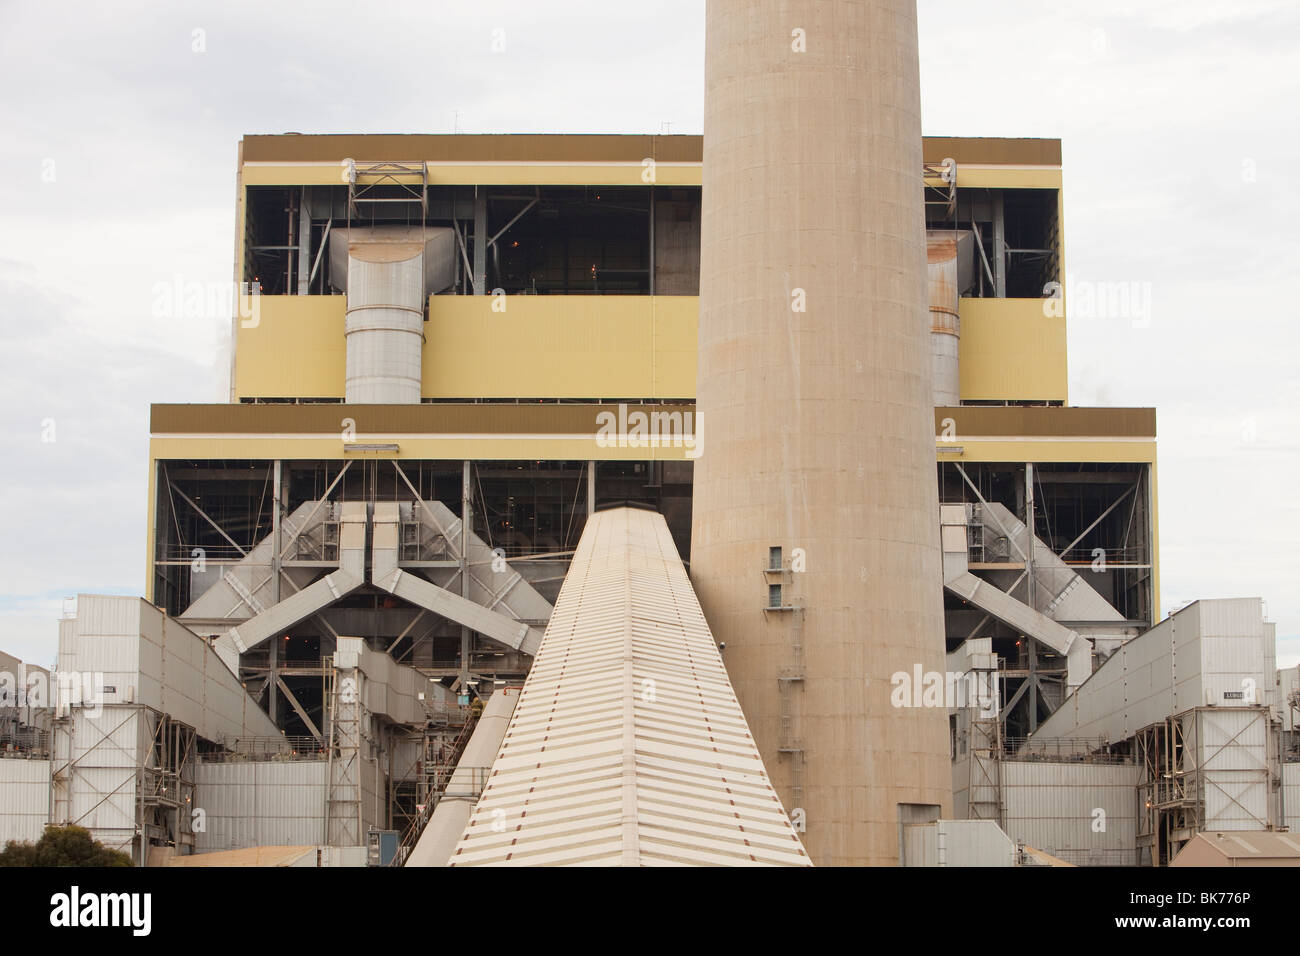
x: 628, y: 746
x: 1252, y: 844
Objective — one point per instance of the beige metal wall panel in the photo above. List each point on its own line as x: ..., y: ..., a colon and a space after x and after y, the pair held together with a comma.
x: 814, y: 390
x: 24, y: 799
x: 972, y: 843
x: 156, y: 661
x: 1053, y: 806
x: 372, y: 791
x: 1237, y: 656
x: 391, y: 689
x: 1287, y: 699
x: 260, y: 803
x: 404, y: 757
x: 1199, y: 656
x: 67, y: 633
x: 1291, y: 795
x: 627, y: 746
x: 10, y: 665
x: 957, y: 843
x: 105, y: 751
x: 920, y: 845
x: 1228, y: 749
x: 961, y: 786
x: 105, y: 649
x: 1270, y: 663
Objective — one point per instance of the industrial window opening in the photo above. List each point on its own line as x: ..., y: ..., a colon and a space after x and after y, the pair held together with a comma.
x: 1008, y: 241
x: 551, y: 240
x: 774, y: 559
x: 774, y: 595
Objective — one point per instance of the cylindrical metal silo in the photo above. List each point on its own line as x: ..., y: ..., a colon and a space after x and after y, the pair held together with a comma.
x: 814, y: 390
x: 945, y: 325
x: 385, y: 322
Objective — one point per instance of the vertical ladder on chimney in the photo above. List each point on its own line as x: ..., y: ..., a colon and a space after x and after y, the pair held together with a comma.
x: 790, y: 677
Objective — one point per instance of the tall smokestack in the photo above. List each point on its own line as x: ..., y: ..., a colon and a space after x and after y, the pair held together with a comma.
x: 815, y: 387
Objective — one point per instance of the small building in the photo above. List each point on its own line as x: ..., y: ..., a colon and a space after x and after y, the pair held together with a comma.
x: 1240, y: 848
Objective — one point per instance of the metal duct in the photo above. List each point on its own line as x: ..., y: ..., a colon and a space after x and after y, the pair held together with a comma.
x: 945, y: 326
x: 440, y: 252
x: 385, y: 322
x: 447, y: 824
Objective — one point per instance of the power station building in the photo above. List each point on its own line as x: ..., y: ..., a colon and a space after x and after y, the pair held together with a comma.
x: 418, y: 592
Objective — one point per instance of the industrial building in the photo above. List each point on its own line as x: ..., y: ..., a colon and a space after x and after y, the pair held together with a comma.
x: 418, y: 593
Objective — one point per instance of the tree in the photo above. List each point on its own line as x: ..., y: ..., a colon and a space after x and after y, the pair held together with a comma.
x: 62, y: 846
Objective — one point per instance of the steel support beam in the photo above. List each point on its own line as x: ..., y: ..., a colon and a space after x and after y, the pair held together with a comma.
x: 999, y: 245
x: 1100, y: 518
x: 466, y: 516
x: 988, y: 511
x: 1033, y: 534
x: 272, y: 684
x: 293, y: 702
x: 652, y: 239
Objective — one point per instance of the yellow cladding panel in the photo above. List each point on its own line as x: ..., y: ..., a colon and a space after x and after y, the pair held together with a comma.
x: 290, y: 346
x: 596, y: 347
x: 487, y: 174
x: 1012, y: 351
x: 1008, y: 177
x: 529, y: 346
x: 304, y: 174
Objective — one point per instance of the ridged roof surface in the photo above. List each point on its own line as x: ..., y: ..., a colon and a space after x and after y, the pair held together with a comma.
x: 627, y: 746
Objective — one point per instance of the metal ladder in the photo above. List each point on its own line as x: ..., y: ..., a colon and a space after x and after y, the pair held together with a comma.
x: 790, y: 742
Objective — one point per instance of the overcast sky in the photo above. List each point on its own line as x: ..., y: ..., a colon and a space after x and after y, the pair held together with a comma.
x: 119, y: 128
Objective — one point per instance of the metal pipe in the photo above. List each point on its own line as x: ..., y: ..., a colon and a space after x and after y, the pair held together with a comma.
x: 480, y: 242
x: 324, y: 244
x: 466, y: 515
x: 304, y: 243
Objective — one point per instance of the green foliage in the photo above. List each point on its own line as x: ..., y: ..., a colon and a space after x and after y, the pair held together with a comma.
x: 62, y: 846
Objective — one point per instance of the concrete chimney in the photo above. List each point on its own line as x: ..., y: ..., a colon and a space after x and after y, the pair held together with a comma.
x: 815, y: 389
